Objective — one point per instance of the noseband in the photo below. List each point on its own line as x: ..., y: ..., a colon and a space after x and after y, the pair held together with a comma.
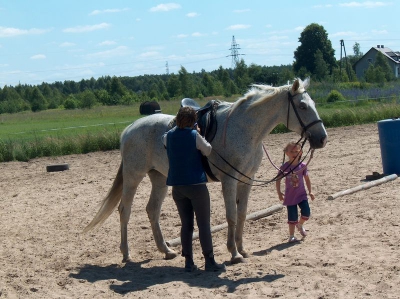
x: 303, y: 126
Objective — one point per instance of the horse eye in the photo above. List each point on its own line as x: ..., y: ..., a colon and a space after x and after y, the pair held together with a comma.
x: 303, y: 106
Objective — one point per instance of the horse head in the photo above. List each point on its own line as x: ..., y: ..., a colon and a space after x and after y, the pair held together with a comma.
x: 302, y: 116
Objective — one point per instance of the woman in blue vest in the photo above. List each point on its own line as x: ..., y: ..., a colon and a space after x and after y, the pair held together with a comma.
x: 188, y: 179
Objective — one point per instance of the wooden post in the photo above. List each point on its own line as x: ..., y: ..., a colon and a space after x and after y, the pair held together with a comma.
x: 363, y: 186
x: 253, y: 216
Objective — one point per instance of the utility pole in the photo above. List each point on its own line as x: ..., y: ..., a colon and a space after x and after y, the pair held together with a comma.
x: 345, y: 59
x: 234, y: 53
x: 167, y: 68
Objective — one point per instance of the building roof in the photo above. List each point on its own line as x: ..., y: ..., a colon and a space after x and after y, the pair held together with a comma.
x: 395, y: 56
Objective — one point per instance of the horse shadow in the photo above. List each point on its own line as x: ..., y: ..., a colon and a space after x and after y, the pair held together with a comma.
x: 137, y: 278
x: 279, y: 247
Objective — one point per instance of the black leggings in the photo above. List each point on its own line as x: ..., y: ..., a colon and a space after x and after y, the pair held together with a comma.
x: 190, y: 200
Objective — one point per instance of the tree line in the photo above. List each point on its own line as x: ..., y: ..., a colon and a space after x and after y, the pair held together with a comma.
x: 314, y: 57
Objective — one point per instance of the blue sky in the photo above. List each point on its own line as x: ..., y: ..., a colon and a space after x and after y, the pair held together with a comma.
x: 48, y: 41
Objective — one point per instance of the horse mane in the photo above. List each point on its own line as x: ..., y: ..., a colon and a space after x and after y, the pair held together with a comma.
x: 263, y: 93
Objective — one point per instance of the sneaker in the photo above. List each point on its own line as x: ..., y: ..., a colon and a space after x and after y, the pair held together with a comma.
x: 292, y: 240
x: 301, y: 230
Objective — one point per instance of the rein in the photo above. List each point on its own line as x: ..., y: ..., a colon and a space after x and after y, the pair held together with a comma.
x: 281, y: 173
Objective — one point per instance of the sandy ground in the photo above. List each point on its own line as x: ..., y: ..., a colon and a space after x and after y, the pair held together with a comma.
x: 352, y: 250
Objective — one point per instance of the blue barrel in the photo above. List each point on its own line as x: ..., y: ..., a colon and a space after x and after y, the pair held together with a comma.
x: 389, y: 139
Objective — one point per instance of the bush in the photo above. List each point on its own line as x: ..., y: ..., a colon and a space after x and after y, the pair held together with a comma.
x: 70, y: 104
x: 335, y: 96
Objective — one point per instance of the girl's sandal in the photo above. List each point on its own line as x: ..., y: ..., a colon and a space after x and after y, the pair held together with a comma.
x: 301, y: 230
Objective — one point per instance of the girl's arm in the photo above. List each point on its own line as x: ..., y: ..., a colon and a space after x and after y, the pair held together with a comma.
x: 308, y: 183
x: 278, y: 188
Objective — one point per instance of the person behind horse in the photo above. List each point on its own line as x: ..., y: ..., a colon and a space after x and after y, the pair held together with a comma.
x: 189, y: 190
x: 295, y: 194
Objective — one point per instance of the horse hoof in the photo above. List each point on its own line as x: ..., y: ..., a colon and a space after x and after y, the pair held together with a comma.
x: 237, y: 260
x: 170, y: 255
x: 127, y: 260
x: 244, y: 254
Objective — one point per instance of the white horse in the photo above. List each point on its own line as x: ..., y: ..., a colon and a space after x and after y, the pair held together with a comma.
x: 242, y: 126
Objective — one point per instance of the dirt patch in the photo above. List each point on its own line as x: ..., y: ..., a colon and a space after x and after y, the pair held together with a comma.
x: 352, y: 250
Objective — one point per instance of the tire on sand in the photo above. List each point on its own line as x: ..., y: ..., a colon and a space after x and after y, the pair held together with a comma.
x: 57, y: 167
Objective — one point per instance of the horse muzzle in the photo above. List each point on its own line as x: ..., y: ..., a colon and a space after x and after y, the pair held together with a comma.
x: 317, y: 142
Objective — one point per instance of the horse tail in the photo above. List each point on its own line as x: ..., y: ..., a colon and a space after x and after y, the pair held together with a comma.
x: 109, y: 202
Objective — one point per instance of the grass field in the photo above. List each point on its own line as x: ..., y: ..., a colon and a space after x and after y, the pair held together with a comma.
x: 28, y: 135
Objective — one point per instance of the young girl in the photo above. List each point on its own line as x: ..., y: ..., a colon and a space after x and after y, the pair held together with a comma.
x: 295, y: 192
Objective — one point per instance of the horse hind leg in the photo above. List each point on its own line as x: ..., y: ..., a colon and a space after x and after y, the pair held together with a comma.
x: 124, y: 209
x: 158, y: 192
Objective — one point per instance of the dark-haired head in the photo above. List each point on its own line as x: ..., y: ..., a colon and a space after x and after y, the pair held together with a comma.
x: 186, y: 117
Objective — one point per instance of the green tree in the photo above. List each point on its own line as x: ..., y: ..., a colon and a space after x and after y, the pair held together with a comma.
x: 11, y: 101
x: 382, y: 64
x: 229, y: 86
x: 241, y: 76
x: 208, y: 84
x: 186, y: 83
x: 313, y: 38
x: 173, y: 86
x: 87, y: 99
x: 70, y: 103
x: 321, y: 68
x: 357, y: 52
x: 38, y: 101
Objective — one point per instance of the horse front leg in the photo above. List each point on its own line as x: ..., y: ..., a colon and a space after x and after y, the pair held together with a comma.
x: 243, y: 192
x: 158, y: 192
x: 229, y: 192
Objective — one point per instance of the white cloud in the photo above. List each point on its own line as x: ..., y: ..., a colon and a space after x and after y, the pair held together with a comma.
x: 149, y: 54
x: 192, y: 14
x: 87, y: 28
x: 165, y: 7
x: 343, y: 33
x: 323, y: 6
x: 198, y: 34
x: 115, y: 10
x: 9, y: 31
x: 118, y: 51
x: 299, y: 28
x: 379, y: 32
x: 182, y: 36
x: 66, y: 44
x: 365, y: 4
x: 38, y: 56
x: 107, y: 43
x: 238, y: 27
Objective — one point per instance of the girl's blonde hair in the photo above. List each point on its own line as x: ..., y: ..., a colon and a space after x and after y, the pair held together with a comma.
x: 290, y: 145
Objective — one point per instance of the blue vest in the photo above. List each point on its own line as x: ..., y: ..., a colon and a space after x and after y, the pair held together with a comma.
x: 185, y: 167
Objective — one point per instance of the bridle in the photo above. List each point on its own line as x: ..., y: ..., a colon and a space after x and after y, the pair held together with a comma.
x: 303, y: 126
x: 280, y: 174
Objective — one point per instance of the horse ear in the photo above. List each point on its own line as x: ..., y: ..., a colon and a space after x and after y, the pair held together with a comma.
x: 295, y: 86
x: 306, y: 82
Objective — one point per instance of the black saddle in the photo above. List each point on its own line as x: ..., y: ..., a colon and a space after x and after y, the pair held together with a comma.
x: 206, y: 116
x: 207, y: 122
